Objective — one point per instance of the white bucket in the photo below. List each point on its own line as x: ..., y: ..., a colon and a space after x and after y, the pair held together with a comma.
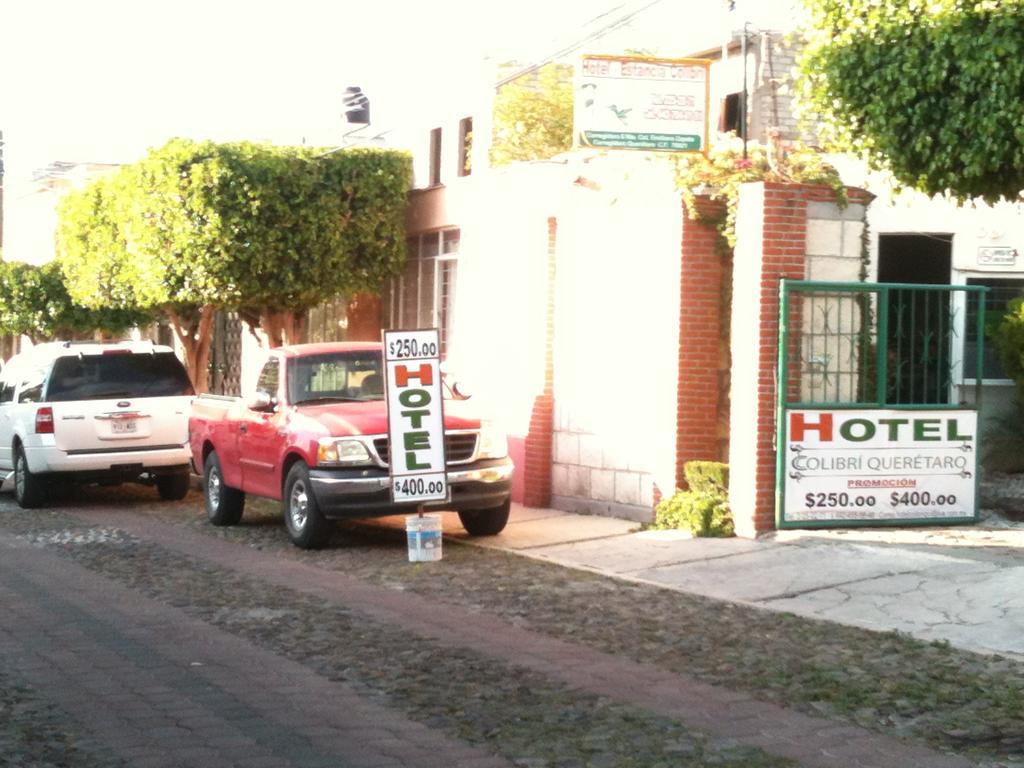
x: 424, y: 535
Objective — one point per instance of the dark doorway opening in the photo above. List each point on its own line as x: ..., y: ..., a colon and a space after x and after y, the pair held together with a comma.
x: 920, y: 323
x: 915, y: 259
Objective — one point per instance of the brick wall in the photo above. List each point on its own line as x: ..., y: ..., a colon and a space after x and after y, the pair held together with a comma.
x: 772, y: 245
x: 703, y: 355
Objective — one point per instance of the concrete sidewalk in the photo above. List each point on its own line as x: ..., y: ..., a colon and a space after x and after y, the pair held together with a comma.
x: 964, y: 584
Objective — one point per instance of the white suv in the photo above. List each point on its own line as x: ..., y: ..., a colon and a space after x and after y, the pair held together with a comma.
x: 95, y: 413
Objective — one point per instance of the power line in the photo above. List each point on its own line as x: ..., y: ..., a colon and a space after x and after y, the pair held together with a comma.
x: 574, y: 46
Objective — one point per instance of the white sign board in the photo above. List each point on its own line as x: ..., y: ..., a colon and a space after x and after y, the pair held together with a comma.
x: 996, y: 256
x: 880, y: 465
x: 633, y: 102
x: 412, y: 365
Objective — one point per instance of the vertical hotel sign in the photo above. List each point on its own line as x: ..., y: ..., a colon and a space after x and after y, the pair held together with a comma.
x: 633, y: 102
x: 412, y: 366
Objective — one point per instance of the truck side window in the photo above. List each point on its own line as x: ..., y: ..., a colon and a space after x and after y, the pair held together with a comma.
x: 6, y: 391
x: 268, y: 379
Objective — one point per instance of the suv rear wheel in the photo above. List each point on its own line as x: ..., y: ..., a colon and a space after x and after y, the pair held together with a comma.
x: 29, y: 491
x: 173, y: 487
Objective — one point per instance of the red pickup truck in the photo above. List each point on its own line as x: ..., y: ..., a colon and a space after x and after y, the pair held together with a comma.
x: 315, y: 435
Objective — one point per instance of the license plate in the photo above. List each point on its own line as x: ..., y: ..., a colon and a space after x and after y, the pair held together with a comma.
x: 124, y: 426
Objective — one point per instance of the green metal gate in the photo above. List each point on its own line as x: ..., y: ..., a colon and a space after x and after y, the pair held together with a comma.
x: 874, y: 423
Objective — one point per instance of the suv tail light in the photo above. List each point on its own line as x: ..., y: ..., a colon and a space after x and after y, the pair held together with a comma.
x: 44, y: 421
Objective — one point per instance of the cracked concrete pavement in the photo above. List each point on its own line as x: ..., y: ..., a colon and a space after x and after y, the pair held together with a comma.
x: 961, y: 584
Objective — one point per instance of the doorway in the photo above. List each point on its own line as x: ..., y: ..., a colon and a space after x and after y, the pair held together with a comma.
x: 918, y: 258
x: 920, y: 323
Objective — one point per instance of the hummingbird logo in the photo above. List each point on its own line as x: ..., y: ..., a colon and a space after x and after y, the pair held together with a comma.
x: 621, y: 113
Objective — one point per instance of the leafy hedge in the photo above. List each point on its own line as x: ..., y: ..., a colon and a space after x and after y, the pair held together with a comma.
x: 930, y: 91
x: 264, y: 230
x: 237, y: 225
x: 34, y: 302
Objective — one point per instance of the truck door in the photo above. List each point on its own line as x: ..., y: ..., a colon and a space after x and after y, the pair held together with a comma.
x: 259, y: 443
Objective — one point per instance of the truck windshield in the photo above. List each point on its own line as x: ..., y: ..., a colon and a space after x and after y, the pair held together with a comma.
x: 100, y: 377
x: 337, y: 376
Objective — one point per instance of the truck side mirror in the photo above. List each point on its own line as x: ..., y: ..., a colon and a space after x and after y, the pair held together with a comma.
x: 262, y: 402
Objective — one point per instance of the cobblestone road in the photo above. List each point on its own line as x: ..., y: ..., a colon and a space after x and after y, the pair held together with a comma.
x: 136, y: 634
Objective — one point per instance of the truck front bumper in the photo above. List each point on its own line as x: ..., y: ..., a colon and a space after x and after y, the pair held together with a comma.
x: 345, y: 493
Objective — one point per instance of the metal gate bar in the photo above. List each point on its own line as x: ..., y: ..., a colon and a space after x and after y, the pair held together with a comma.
x: 846, y: 330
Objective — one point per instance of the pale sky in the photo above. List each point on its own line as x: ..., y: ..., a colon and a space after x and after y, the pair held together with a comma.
x: 102, y: 80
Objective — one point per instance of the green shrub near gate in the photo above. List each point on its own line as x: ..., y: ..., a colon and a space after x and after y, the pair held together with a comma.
x: 1008, y: 338
x: 707, y: 477
x: 703, y: 509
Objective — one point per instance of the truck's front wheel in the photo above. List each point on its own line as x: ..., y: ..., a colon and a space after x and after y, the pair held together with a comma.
x: 224, y: 505
x: 485, y: 522
x: 307, y: 526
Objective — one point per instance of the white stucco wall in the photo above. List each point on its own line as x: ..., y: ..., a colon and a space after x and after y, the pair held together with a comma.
x: 617, y: 339
x: 746, y: 352
x: 616, y: 319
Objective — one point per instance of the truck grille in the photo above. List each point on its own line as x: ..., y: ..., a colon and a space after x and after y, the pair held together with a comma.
x: 458, y: 447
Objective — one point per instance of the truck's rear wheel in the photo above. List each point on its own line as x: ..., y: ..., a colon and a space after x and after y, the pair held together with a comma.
x: 307, y: 526
x: 486, y: 522
x: 224, y: 504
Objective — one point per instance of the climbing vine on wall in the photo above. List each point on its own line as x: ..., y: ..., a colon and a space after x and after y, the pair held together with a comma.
x: 720, y: 174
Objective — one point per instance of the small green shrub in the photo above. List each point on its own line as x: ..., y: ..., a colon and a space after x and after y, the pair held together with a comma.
x: 1008, y: 338
x: 704, y: 508
x: 707, y: 476
x: 1002, y: 444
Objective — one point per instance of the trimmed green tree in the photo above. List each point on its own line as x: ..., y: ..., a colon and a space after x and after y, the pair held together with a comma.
x: 34, y: 302
x: 267, y: 231
x: 929, y: 91
x: 533, y: 116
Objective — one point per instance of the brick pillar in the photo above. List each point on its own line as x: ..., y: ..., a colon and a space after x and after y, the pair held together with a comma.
x: 539, y: 438
x: 771, y: 245
x: 701, y: 351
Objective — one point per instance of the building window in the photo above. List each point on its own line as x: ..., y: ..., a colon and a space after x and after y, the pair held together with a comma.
x: 729, y: 114
x: 465, y: 145
x: 435, y: 157
x: 1001, y: 292
x: 423, y: 296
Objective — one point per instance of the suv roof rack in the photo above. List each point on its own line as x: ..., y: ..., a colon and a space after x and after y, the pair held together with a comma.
x: 75, y: 343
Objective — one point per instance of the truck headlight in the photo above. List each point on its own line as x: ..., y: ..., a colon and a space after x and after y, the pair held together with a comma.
x: 342, y: 452
x: 493, y: 442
